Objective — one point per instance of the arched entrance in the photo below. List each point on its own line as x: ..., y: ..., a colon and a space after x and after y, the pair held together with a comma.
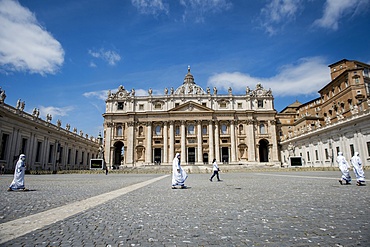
x: 118, y: 154
x: 263, y: 150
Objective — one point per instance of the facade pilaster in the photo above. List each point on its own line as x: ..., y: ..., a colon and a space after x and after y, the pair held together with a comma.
x: 148, y: 149
x: 217, y: 142
x: 165, y: 142
x: 172, y: 141
x: 130, y: 143
x: 107, y: 148
x: 199, y: 139
x: 251, y: 141
x: 232, y: 139
x: 183, y: 142
x: 274, y: 155
x: 211, y: 155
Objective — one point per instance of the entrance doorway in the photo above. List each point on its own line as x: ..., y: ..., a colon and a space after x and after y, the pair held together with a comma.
x: 157, y: 156
x: 191, y: 155
x: 225, y: 155
x: 205, y: 158
x: 263, y: 151
x: 118, y: 154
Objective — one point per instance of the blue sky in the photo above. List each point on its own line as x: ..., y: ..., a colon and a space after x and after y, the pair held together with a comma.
x: 62, y: 56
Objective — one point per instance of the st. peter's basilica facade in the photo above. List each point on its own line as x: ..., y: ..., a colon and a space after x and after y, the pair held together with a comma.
x: 200, y: 124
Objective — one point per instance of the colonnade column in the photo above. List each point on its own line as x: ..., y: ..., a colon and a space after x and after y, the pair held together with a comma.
x: 232, y: 133
x: 165, y: 143
x: 172, y: 141
x: 199, y: 138
x: 183, y: 142
x: 148, y: 149
x: 217, y: 142
x: 130, y: 143
x: 211, y: 145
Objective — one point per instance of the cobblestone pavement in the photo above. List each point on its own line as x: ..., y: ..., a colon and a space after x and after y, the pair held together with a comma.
x: 244, y: 209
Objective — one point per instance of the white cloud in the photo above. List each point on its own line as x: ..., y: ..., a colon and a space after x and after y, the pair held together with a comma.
x: 111, y: 57
x: 102, y: 95
x: 55, y: 111
x: 305, y: 77
x: 278, y: 12
x: 24, y: 44
x: 335, y: 10
x: 153, y: 7
x: 197, y: 9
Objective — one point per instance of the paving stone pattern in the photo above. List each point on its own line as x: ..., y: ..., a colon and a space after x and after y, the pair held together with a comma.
x: 244, y: 209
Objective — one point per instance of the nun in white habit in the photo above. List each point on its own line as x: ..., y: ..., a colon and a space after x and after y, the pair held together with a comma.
x: 18, y: 181
x: 344, y: 168
x: 178, y: 174
x: 357, y: 169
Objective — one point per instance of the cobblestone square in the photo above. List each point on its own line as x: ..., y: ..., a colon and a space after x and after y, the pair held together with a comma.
x: 244, y: 209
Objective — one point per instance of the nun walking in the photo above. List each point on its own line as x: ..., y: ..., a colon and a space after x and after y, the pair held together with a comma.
x: 18, y: 181
x: 178, y: 174
x: 357, y: 169
x: 344, y: 168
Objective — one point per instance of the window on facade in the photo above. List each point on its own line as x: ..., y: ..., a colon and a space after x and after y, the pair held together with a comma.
x: 260, y: 103
x: 158, y: 106
x: 119, y: 131
x: 76, y: 157
x: 38, y: 151
x: 177, y: 130
x: 51, y: 153
x: 368, y: 148
x: 223, y: 129
x: 241, y: 129
x: 141, y: 107
x: 120, y: 106
x: 316, y: 155
x: 351, y: 147
x: 223, y: 105
x: 141, y: 130
x: 262, y: 128
x: 204, y: 129
x: 177, y: 104
x: 4, y: 144
x: 240, y: 106
x: 357, y: 80
x: 367, y: 86
x: 204, y: 104
x: 337, y: 148
x: 158, y: 130
x: 191, y: 129
x: 308, y: 156
x: 366, y: 72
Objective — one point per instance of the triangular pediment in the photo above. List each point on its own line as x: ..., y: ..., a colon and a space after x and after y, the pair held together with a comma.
x: 191, y: 107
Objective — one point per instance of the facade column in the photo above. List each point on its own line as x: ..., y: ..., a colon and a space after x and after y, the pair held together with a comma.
x: 172, y: 141
x: 217, y: 142
x: 130, y: 143
x: 232, y: 139
x: 199, y: 139
x: 165, y: 143
x: 148, y: 149
x: 183, y: 142
x: 211, y: 144
x: 251, y: 141
x: 274, y: 155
